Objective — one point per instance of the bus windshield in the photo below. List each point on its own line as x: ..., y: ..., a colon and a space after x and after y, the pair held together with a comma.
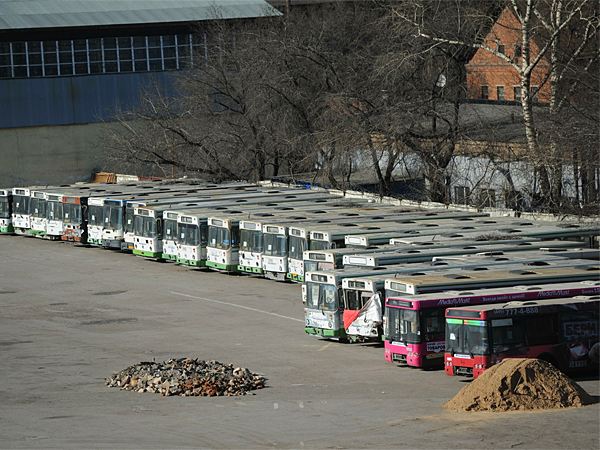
x: 219, y: 237
x: 95, y: 216
x: 251, y: 241
x: 403, y: 325
x: 38, y: 207
x: 297, y: 246
x: 319, y: 245
x: 4, y: 212
x: 355, y: 299
x: 315, y: 266
x: 275, y: 245
x: 469, y: 337
x: 129, y: 219
x: 170, y: 229
x: 321, y: 296
x: 144, y: 226
x: 54, y: 211
x: 113, y: 217
x: 21, y: 204
x: 72, y: 213
x: 188, y: 234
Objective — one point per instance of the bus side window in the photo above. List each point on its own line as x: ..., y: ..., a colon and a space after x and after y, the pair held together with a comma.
x: 235, y: 236
x: 203, y: 234
x: 159, y: 228
x: 433, y: 324
x: 541, y: 330
x: 506, y: 338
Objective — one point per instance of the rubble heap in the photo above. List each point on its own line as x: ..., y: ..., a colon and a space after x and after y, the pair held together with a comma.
x: 187, y: 377
x: 518, y: 384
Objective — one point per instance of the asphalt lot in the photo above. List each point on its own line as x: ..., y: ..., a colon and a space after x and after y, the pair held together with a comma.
x: 70, y: 317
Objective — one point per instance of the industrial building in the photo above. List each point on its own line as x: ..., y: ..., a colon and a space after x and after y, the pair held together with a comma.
x: 65, y: 66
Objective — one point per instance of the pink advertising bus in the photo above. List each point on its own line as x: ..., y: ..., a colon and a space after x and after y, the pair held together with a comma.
x: 415, y: 328
x: 561, y: 331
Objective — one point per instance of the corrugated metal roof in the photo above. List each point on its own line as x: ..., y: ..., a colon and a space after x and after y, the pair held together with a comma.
x: 28, y: 14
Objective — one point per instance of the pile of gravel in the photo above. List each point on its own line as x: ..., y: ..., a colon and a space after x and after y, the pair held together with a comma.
x: 518, y: 384
x: 187, y: 377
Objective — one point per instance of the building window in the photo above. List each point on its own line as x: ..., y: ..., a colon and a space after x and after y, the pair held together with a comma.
x: 484, y: 92
x: 106, y: 55
x: 500, y: 92
x: 486, y: 198
x: 534, y: 93
x: 518, y: 51
x: 461, y: 195
x: 512, y: 199
x: 501, y: 48
x: 517, y: 90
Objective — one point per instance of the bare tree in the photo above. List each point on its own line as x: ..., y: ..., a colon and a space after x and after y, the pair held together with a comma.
x: 564, y: 34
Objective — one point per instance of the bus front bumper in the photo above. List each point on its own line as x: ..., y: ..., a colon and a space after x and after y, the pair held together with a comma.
x: 111, y: 243
x: 326, y: 333
x: 146, y: 254
x: 190, y: 262
x: 250, y: 270
x: 221, y: 267
x: 295, y: 277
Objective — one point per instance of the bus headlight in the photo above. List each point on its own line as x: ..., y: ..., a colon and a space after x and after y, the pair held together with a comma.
x: 329, y: 324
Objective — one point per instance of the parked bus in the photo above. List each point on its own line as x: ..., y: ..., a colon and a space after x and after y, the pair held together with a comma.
x: 148, y: 220
x: 299, y: 236
x: 328, y: 234
x: 541, y: 254
x: 324, y: 304
x: 264, y: 250
x: 6, y: 204
x: 479, y: 280
x: 222, y: 252
x: 405, y: 255
x: 37, y: 213
x: 414, y: 326
x: 74, y: 218
x: 177, y: 200
x: 274, y: 254
x: 561, y: 331
x: 315, y: 260
x: 477, y: 230
x: 21, y: 216
x: 363, y: 313
x: 117, y: 230
x: 276, y: 209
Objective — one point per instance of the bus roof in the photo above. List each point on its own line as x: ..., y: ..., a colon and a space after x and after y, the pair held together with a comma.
x: 525, y: 307
x: 457, y: 280
x: 479, y: 229
x: 509, y: 293
x: 418, y: 269
x: 411, y: 254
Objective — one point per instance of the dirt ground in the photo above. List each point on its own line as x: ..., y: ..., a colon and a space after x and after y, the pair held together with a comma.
x: 70, y: 317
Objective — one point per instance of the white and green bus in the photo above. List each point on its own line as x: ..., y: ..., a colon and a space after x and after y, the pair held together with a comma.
x: 6, y: 205
x: 324, y: 302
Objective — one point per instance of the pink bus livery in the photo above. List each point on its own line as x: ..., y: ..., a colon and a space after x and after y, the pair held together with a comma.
x: 414, y: 325
x: 563, y: 332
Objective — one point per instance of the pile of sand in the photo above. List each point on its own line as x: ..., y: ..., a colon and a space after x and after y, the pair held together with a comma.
x: 517, y: 384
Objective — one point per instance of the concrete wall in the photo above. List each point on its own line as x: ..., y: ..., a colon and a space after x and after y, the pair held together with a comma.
x: 49, y: 155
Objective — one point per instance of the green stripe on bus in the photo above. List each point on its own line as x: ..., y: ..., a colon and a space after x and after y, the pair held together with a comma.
x: 455, y: 321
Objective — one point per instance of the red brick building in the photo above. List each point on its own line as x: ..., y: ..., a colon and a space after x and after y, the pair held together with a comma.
x: 491, y: 78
